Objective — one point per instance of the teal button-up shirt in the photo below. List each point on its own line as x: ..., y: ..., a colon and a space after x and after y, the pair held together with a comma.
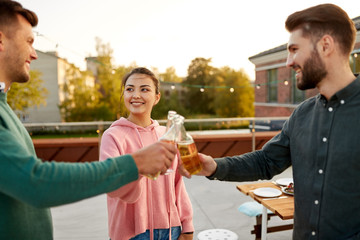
x: 321, y: 142
x: 28, y: 186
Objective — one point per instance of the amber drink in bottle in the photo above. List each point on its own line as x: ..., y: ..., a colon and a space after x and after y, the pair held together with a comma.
x: 187, y: 149
x: 169, y: 136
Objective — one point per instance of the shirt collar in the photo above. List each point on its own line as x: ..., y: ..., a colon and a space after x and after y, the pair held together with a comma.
x: 3, y: 97
x: 344, y: 94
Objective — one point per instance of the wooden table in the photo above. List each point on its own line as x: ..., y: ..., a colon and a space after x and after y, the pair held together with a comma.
x: 282, y: 206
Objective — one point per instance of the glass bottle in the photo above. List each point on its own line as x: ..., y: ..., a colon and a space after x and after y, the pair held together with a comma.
x: 171, y: 132
x: 187, y: 148
x: 170, y: 118
x: 171, y: 129
x: 169, y: 136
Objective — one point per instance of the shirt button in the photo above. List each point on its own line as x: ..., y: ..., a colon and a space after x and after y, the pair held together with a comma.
x: 316, y: 202
x: 321, y: 171
x: 313, y: 233
x: 330, y: 109
x: 324, y: 139
x: 342, y: 101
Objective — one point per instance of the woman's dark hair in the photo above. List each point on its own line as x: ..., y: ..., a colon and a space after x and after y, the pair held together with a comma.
x: 142, y: 70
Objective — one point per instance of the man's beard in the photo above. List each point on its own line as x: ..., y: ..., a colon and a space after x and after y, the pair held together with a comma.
x: 313, y: 72
x: 15, y: 69
x: 18, y: 74
x: 21, y: 77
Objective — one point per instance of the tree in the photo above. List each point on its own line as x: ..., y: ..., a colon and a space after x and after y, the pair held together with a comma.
x: 82, y: 98
x: 200, y: 75
x: 106, y: 78
x: 235, y: 96
x: 169, y: 97
x: 120, y: 73
x: 25, y: 95
x: 109, y: 79
x: 165, y: 104
x: 170, y: 76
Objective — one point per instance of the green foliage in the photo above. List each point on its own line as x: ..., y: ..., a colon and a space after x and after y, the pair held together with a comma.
x: 118, y: 101
x: 170, y: 76
x: 216, y: 99
x: 82, y: 98
x: 109, y: 79
x: 100, y: 100
x: 170, y: 97
x: 200, y: 74
x: 25, y: 95
x: 165, y: 104
x: 238, y: 103
x: 104, y: 101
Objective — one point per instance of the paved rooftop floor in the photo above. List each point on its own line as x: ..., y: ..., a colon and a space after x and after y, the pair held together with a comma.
x: 215, y: 205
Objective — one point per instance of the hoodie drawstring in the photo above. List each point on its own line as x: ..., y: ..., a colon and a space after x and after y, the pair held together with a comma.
x: 169, y: 200
x: 168, y: 182
x: 151, y: 215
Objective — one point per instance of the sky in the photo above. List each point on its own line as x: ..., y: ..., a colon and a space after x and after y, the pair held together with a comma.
x: 168, y: 33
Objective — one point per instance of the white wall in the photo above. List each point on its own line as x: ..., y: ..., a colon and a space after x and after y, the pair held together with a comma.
x: 47, y: 64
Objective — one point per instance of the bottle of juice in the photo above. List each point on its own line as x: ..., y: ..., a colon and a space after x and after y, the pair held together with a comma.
x: 187, y: 148
x: 169, y: 136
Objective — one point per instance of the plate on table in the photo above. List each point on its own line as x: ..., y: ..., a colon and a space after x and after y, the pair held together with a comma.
x: 288, y: 189
x: 284, y: 181
x: 267, y: 192
x: 284, y: 190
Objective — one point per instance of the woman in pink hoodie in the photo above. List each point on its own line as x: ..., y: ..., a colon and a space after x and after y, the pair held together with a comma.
x: 145, y: 208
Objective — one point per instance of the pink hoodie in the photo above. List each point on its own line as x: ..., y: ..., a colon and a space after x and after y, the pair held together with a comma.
x: 145, y: 203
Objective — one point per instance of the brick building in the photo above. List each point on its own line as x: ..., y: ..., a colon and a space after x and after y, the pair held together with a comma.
x: 276, y: 93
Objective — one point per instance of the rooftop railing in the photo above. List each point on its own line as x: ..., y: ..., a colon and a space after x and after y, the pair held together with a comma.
x: 66, y: 125
x: 101, y: 126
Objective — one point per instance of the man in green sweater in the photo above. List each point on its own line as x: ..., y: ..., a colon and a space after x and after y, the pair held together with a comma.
x: 28, y: 186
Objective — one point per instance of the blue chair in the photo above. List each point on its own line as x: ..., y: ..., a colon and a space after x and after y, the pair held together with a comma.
x: 254, y: 209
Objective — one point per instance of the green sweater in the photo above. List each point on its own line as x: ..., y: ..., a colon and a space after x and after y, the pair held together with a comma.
x: 28, y: 186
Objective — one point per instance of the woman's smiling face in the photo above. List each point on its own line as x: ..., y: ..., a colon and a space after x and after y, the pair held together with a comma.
x: 140, y: 95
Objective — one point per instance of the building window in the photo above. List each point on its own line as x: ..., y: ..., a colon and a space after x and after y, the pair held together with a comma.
x: 355, y: 62
x: 297, y: 95
x: 272, y: 85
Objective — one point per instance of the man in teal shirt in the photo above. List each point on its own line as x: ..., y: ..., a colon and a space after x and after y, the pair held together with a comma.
x: 28, y: 186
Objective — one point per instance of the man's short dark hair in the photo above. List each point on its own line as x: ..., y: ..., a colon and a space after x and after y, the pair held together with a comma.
x: 323, y: 19
x: 9, y: 10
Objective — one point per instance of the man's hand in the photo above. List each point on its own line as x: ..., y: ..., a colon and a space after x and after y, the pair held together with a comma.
x: 186, y: 236
x: 208, y: 166
x: 155, y: 158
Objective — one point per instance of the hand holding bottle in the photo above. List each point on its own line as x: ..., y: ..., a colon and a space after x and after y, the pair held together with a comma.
x: 208, y: 164
x: 169, y: 137
x: 187, y: 148
x: 155, y: 159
